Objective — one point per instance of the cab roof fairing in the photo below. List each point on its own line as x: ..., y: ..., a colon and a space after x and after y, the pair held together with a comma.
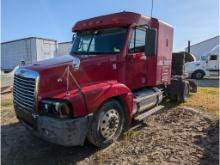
x: 111, y: 20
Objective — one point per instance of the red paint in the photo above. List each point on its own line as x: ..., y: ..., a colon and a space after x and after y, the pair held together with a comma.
x: 96, y: 76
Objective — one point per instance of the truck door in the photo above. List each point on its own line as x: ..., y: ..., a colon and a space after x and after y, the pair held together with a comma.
x: 136, y: 72
x: 212, y: 63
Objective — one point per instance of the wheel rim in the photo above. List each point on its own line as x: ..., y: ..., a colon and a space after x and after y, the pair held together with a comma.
x: 109, y: 123
x: 198, y: 75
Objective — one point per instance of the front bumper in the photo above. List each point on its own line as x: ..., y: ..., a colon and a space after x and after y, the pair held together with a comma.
x: 66, y: 132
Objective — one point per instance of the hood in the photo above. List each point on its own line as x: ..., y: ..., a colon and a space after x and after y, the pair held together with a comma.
x: 53, y: 74
x: 196, y: 63
x: 85, y: 69
x: 50, y: 63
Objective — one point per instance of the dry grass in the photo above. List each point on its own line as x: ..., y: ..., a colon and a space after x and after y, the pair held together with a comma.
x: 206, y: 98
x: 7, y: 103
x: 7, y: 110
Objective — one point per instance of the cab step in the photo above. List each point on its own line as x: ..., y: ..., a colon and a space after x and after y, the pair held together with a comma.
x: 143, y: 115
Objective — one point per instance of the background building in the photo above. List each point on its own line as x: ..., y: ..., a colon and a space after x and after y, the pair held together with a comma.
x: 27, y: 51
x: 64, y: 48
x: 202, y: 48
x: 30, y: 50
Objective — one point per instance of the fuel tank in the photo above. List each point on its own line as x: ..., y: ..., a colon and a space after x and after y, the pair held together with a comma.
x: 147, y: 98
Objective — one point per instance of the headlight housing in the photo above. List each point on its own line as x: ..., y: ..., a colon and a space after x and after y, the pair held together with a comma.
x: 56, y: 108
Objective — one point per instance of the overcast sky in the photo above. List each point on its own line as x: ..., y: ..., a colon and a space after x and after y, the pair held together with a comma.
x: 194, y: 20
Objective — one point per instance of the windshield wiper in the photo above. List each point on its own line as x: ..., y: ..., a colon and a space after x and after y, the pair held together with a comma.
x: 74, y: 52
x: 103, y: 52
x: 92, y: 53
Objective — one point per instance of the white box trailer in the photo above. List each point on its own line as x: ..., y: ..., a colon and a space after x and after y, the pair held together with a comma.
x: 64, y: 48
x: 29, y: 50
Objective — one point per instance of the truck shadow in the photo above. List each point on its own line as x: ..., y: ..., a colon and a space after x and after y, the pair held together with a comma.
x: 209, y: 144
x: 20, y: 147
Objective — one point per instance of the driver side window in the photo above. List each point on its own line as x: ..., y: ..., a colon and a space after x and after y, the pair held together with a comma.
x: 137, y: 43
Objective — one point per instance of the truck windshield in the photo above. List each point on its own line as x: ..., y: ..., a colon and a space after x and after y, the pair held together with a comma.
x: 204, y: 58
x: 103, y: 41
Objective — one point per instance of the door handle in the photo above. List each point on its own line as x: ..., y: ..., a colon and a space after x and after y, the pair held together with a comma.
x: 139, y: 56
x: 114, y: 66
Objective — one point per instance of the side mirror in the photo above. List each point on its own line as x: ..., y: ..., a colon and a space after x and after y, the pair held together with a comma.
x: 73, y: 37
x: 22, y: 63
x: 76, y: 63
x: 150, y: 42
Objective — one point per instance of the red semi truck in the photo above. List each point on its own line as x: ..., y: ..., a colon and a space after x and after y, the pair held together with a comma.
x: 118, y: 71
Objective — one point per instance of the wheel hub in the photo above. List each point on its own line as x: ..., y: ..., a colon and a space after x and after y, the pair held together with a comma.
x: 109, y: 123
x: 198, y: 75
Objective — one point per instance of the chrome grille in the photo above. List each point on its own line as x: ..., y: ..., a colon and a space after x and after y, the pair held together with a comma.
x: 25, y: 88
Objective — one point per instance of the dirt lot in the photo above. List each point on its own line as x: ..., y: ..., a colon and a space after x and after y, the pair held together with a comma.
x: 177, y: 135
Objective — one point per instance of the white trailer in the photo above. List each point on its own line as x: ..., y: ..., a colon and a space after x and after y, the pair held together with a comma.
x: 64, y: 48
x: 26, y: 50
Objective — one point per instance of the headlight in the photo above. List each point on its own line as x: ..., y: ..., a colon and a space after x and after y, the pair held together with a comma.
x: 56, y: 107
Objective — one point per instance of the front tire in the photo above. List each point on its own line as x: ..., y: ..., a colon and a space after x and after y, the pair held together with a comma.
x: 198, y: 75
x: 107, y: 124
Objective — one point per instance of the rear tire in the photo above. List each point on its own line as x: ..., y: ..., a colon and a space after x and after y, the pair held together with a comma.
x: 178, y: 91
x: 107, y: 124
x: 185, y: 92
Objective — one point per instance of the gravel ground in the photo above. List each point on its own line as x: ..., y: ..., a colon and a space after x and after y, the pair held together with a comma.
x: 175, y: 136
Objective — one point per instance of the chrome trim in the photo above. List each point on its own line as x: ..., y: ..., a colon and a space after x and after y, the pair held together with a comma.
x: 23, y: 83
x: 24, y: 80
x: 27, y: 73
x: 37, y: 80
x: 25, y: 90
x: 30, y: 100
x: 20, y: 104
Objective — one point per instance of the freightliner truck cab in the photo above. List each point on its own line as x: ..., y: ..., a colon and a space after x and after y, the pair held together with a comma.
x: 118, y: 70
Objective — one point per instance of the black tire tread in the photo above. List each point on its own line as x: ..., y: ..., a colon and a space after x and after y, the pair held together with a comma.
x: 198, y: 71
x: 92, y: 134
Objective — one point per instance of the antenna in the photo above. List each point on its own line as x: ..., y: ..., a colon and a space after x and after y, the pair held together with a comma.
x: 152, y: 7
